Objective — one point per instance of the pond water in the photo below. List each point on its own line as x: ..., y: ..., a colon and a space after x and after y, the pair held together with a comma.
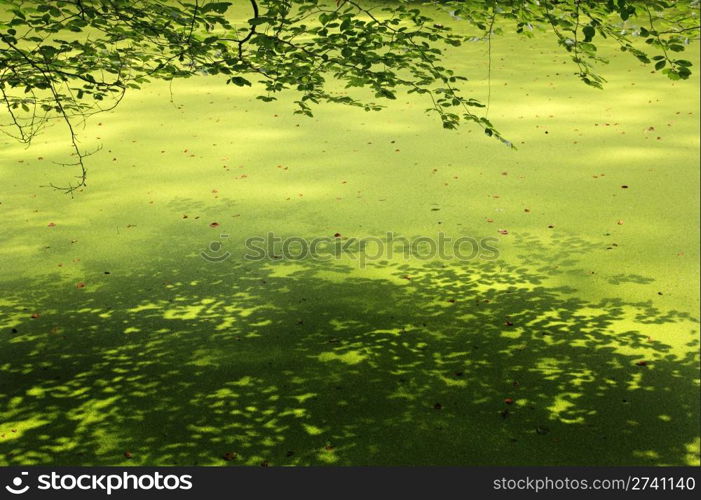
x: 577, y: 344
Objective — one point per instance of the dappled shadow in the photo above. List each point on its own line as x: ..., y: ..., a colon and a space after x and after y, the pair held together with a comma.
x: 180, y: 361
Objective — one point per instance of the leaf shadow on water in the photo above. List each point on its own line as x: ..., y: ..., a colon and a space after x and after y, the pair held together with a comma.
x: 180, y: 361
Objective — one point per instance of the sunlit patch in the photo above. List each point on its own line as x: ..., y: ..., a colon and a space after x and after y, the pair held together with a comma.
x: 312, y: 430
x: 564, y: 408
x: 349, y: 358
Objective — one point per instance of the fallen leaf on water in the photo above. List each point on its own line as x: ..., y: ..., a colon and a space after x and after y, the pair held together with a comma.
x: 641, y: 363
x: 128, y: 454
x: 214, y: 224
x: 36, y: 315
x: 228, y: 456
x: 620, y: 222
x: 80, y: 285
x: 51, y: 224
x: 337, y: 235
x: 503, y: 231
x: 509, y: 401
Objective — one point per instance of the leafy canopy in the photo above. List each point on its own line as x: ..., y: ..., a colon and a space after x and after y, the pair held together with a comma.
x: 69, y: 59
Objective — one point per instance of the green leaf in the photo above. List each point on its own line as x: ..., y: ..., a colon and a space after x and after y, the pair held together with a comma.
x: 239, y: 81
x: 218, y: 7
